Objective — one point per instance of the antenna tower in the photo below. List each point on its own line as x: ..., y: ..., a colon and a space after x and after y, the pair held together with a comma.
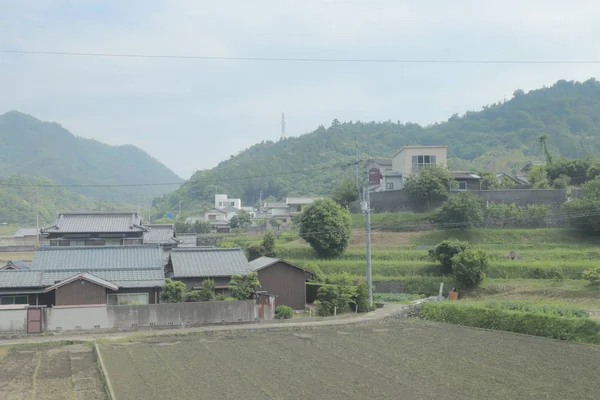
x: 282, y: 126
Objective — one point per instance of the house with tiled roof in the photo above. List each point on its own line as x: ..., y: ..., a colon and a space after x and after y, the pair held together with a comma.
x: 95, y: 229
x: 193, y: 265
x: 161, y: 234
x: 63, y: 276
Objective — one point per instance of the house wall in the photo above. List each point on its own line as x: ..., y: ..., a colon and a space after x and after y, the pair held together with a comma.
x: 80, y: 292
x: 396, y: 180
x: 153, y: 293
x: 402, y: 162
x: 13, y: 321
x: 286, y: 282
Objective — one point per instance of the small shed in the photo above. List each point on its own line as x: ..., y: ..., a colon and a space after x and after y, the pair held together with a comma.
x: 283, y: 279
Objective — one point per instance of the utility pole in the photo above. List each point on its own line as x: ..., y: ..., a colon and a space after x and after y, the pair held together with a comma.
x: 366, y: 208
x: 179, y: 215
x: 37, y: 217
x: 282, y: 126
x: 356, y: 160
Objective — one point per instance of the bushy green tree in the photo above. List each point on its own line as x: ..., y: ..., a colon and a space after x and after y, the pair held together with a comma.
x: 241, y: 220
x: 255, y: 251
x: 428, y: 185
x: 469, y: 266
x: 326, y: 226
x: 207, y: 290
x: 445, y: 251
x: 489, y: 180
x: 172, y: 291
x: 243, y: 287
x: 268, y: 244
x: 201, y: 227
x: 539, y: 177
x: 461, y: 211
x: 345, y: 192
x: 284, y: 312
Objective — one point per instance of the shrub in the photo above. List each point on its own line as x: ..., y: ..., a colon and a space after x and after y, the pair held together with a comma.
x: 469, y: 267
x: 444, y: 252
x: 283, y: 312
x: 536, y: 215
x: 361, y: 297
x: 503, y: 215
x: 172, y: 291
x: 268, y: 244
x: 317, y: 274
x: 396, y: 297
x: 192, y: 296
x: 255, y: 251
x: 330, y: 299
x: 582, y: 330
x: 592, y: 275
x: 243, y: 287
x: 207, y: 290
x: 460, y: 211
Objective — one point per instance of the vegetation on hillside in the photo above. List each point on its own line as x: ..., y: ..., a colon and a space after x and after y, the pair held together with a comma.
x: 34, y: 148
x: 502, y: 136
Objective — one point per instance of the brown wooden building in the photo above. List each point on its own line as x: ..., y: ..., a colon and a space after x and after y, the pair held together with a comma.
x: 284, y: 280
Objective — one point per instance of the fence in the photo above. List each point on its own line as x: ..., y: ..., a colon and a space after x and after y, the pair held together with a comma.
x: 177, y: 315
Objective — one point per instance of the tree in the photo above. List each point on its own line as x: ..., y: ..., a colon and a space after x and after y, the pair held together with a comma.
x: 268, y: 244
x: 432, y: 183
x: 444, y: 252
x: 172, y: 291
x: 326, y: 226
x: 243, y: 287
x: 518, y: 93
x: 241, y: 220
x: 539, y: 177
x: 255, y: 251
x: 274, y: 223
x: 345, y: 192
x: 592, y: 276
x: 489, y: 180
x: 469, y: 266
x: 461, y: 211
x: 544, y: 146
x: 202, y: 227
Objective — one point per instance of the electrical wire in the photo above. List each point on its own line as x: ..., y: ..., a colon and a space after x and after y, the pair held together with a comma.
x: 295, y: 59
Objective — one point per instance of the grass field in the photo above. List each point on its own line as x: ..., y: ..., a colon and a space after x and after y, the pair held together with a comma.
x: 407, y: 359
x: 50, y: 372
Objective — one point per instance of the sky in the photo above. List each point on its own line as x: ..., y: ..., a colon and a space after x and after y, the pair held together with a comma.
x: 192, y: 114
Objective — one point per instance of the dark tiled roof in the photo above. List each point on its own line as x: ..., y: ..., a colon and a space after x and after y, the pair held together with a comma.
x: 207, y: 262
x: 125, y: 278
x: 263, y: 262
x: 85, y: 276
x: 97, y: 257
x: 464, y: 175
x: 230, y: 209
x: 18, y: 264
x: 160, y: 234
x: 20, y: 278
x: 96, y: 222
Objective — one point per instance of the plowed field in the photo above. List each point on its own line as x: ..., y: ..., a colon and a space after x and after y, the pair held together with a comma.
x: 386, y: 360
x: 50, y: 372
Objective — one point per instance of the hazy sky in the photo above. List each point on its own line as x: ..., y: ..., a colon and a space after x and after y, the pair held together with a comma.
x: 191, y: 114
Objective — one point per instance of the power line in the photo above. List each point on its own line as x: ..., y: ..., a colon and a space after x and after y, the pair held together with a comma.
x: 296, y: 59
x: 10, y: 184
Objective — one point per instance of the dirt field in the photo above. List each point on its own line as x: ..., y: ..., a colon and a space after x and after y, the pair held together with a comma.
x: 49, y: 372
x: 384, y: 360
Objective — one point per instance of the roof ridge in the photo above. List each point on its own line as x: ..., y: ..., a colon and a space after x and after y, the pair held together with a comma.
x: 135, y: 246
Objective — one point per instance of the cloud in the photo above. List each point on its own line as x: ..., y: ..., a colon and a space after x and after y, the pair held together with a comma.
x: 191, y: 114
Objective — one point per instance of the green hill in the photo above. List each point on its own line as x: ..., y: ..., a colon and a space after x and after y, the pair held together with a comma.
x: 19, y: 202
x: 31, y: 147
x: 500, y: 137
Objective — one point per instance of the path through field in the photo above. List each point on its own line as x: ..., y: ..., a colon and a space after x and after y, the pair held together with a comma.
x: 377, y: 360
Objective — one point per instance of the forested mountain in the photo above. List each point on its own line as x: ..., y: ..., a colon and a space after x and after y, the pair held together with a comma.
x: 500, y: 137
x: 22, y: 197
x: 31, y: 147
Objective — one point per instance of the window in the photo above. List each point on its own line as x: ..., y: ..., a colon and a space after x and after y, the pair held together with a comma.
x: 11, y: 300
x: 95, y: 242
x: 212, y: 217
x: 128, y: 299
x: 131, y: 242
x: 461, y: 186
x: 422, y: 162
x: 77, y: 242
x: 389, y: 185
x: 64, y: 242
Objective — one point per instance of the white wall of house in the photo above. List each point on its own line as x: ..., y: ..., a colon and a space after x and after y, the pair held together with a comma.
x: 403, y: 160
x: 222, y: 201
x: 215, y: 216
x: 392, y: 182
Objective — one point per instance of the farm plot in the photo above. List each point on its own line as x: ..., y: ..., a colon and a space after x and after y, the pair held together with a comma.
x: 383, y: 360
x: 50, y: 372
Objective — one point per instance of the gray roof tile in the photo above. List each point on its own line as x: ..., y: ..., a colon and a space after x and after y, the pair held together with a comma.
x: 25, y: 232
x: 160, y: 234
x: 207, y: 262
x: 262, y: 262
x: 20, y: 278
x: 98, y: 257
x: 96, y: 222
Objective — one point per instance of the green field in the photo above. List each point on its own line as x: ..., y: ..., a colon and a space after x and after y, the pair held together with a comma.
x: 407, y: 359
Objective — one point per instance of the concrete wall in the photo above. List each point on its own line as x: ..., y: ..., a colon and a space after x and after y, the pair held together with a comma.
x: 16, y: 248
x: 153, y: 315
x: 13, y: 321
